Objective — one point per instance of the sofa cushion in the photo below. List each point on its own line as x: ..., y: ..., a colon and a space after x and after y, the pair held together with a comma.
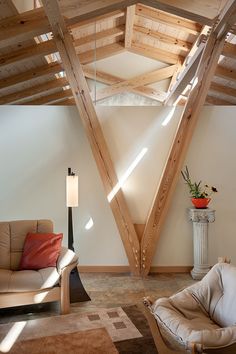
x: 27, y: 280
x: 216, y: 294
x: 18, y: 232
x: 5, y: 259
x: 41, y: 250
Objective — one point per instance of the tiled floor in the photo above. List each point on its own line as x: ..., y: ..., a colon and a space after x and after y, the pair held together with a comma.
x: 106, y: 290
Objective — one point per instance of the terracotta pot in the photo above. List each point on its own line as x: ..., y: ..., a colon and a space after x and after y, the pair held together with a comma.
x: 201, y: 203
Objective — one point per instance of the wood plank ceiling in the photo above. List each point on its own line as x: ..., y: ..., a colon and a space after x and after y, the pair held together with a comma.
x: 31, y: 72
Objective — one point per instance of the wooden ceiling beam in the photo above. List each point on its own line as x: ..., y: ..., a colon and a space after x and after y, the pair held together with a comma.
x: 141, y: 80
x: 96, y: 37
x: 168, y: 19
x: 163, y: 38
x: 216, y: 101
x: 33, y: 90
x: 171, y: 173
x: 37, y: 50
x: 226, y: 90
x: 23, y: 26
x: 229, y: 50
x: 32, y: 74
x: 129, y: 25
x: 225, y: 73
x: 49, y: 98
x: 101, y: 53
x: 108, y: 79
x: 66, y: 102
x: 94, y: 133
x: 203, y: 12
x: 155, y: 53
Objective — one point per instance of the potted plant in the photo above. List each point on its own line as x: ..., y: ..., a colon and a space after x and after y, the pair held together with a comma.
x: 200, y: 195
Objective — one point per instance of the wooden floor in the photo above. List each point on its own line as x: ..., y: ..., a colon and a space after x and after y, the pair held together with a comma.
x: 106, y: 290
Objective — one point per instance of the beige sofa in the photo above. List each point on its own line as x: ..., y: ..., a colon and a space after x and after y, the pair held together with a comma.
x: 21, y: 287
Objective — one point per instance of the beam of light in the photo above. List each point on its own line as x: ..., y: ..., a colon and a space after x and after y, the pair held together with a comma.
x: 89, y: 224
x: 127, y: 173
x: 11, y: 337
x: 169, y: 116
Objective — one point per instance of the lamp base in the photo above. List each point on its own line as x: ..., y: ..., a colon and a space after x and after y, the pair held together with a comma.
x: 77, y: 291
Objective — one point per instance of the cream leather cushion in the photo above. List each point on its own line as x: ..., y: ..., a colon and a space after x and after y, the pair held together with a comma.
x: 190, y: 315
x: 27, y: 280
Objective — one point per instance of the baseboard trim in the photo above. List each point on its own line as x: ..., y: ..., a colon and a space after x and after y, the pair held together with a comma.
x: 126, y: 269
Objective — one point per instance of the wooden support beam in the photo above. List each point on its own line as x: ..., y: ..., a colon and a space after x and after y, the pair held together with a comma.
x: 24, y: 54
x: 33, y: 90
x: 32, y: 74
x: 163, y: 38
x: 216, y: 101
x: 66, y: 102
x: 108, y: 79
x: 108, y: 34
x: 155, y: 53
x: 188, y: 69
x: 168, y: 19
x: 101, y: 53
x: 94, y: 133
x: 179, y: 147
x: 54, y: 97
x: 144, y: 79
x: 129, y: 25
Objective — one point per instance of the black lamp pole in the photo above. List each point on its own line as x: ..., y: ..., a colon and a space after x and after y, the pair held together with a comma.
x: 77, y: 291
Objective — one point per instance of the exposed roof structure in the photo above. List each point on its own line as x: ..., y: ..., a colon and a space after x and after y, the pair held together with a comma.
x: 31, y: 70
x: 47, y: 55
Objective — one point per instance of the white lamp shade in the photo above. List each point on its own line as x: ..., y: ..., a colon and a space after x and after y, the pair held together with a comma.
x: 72, y: 191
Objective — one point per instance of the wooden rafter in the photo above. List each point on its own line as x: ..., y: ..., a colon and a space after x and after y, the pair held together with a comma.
x: 155, y: 53
x: 229, y: 50
x: 33, y: 90
x: 144, y: 79
x: 166, y: 18
x: 198, y: 94
x: 129, y: 25
x: 106, y: 34
x: 225, y: 73
x: 54, y: 97
x: 32, y: 74
x: 94, y: 132
x: 163, y: 38
x: 226, y: 90
x: 218, y: 101
x: 101, y: 52
x: 27, y: 53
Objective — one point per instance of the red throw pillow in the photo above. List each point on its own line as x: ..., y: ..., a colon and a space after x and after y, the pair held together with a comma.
x: 40, y: 250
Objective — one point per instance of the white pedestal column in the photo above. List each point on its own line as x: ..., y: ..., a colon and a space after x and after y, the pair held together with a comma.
x: 200, y: 219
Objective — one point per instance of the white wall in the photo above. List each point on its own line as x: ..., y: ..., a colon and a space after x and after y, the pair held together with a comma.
x: 37, y: 144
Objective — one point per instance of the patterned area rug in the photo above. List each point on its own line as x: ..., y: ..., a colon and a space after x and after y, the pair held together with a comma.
x: 126, y: 327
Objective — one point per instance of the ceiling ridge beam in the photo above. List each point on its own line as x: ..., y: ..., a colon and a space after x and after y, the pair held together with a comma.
x: 94, y: 133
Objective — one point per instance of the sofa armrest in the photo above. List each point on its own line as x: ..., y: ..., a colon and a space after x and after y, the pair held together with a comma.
x: 66, y: 257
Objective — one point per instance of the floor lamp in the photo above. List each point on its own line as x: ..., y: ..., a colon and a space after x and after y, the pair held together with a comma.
x: 77, y: 291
